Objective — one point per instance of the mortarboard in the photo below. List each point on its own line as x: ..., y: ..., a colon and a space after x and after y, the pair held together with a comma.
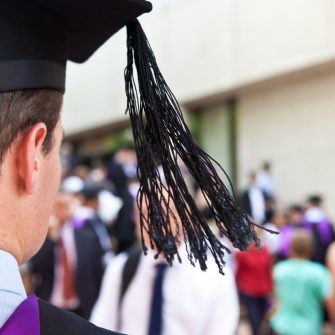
x: 38, y: 37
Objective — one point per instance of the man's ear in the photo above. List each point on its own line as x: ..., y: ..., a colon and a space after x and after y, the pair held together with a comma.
x: 30, y: 155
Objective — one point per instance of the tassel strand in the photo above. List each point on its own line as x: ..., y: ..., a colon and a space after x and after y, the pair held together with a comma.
x: 162, y: 138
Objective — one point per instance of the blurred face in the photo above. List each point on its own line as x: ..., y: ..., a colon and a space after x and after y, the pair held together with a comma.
x: 295, y: 217
x: 279, y: 220
x: 63, y: 208
x: 253, y: 179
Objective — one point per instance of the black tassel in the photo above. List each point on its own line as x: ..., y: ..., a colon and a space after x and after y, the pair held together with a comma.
x: 162, y: 138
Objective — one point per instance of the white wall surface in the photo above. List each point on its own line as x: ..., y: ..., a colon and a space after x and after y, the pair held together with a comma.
x: 216, y: 137
x: 205, y: 47
x: 293, y: 126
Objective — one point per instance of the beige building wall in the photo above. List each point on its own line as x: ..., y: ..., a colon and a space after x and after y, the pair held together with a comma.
x: 203, y: 49
x: 225, y: 48
x: 216, y: 137
x: 292, y: 125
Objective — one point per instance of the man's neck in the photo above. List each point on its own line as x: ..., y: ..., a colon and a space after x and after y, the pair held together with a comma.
x: 298, y: 258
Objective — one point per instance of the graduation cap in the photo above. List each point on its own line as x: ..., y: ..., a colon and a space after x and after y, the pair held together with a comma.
x: 38, y: 37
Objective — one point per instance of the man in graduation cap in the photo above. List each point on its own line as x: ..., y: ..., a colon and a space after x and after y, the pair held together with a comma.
x: 37, y: 38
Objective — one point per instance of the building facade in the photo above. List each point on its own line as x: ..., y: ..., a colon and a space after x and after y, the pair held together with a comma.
x: 256, y: 80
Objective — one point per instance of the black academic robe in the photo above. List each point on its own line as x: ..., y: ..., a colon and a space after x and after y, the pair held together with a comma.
x: 55, y: 321
x: 245, y: 201
x: 89, y: 270
x: 124, y: 228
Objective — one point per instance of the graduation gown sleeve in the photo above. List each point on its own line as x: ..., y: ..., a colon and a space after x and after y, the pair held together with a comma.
x: 55, y: 321
x: 37, y: 317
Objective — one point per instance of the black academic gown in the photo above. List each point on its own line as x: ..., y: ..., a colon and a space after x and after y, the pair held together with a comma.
x: 245, y: 201
x: 36, y: 317
x: 124, y: 228
x: 55, y: 321
x: 89, y: 270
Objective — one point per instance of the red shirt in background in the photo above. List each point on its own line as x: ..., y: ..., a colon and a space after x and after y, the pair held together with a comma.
x: 254, y: 271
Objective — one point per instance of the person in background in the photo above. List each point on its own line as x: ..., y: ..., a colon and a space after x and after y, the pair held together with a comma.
x: 330, y: 263
x: 314, y: 212
x: 98, y: 173
x: 143, y: 295
x: 272, y: 240
x: 266, y: 181
x: 302, y: 287
x: 68, y: 268
x: 81, y: 171
x: 294, y: 221
x: 72, y: 185
x: 295, y: 216
x: 319, y: 224
x: 68, y: 157
x: 122, y: 168
x: 201, y: 203
x: 254, y: 282
x: 93, y: 222
x: 253, y: 200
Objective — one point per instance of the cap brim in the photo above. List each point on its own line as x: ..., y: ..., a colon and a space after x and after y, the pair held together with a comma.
x: 91, y: 23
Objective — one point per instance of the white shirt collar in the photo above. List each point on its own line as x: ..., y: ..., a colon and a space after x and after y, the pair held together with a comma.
x: 12, y: 291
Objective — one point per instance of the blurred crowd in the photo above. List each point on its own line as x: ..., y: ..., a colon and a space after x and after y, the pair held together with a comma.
x: 92, y: 262
x: 286, y: 283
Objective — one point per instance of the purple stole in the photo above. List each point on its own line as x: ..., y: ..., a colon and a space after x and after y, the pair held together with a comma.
x: 324, y: 228
x: 25, y: 320
x: 285, y: 240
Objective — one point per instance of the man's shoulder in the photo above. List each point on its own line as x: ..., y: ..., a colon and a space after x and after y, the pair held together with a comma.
x: 302, y: 267
x: 284, y: 266
x: 317, y: 268
x: 55, y: 321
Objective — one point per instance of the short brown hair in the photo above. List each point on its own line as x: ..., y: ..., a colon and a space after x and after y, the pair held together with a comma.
x: 302, y: 244
x: 20, y: 110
